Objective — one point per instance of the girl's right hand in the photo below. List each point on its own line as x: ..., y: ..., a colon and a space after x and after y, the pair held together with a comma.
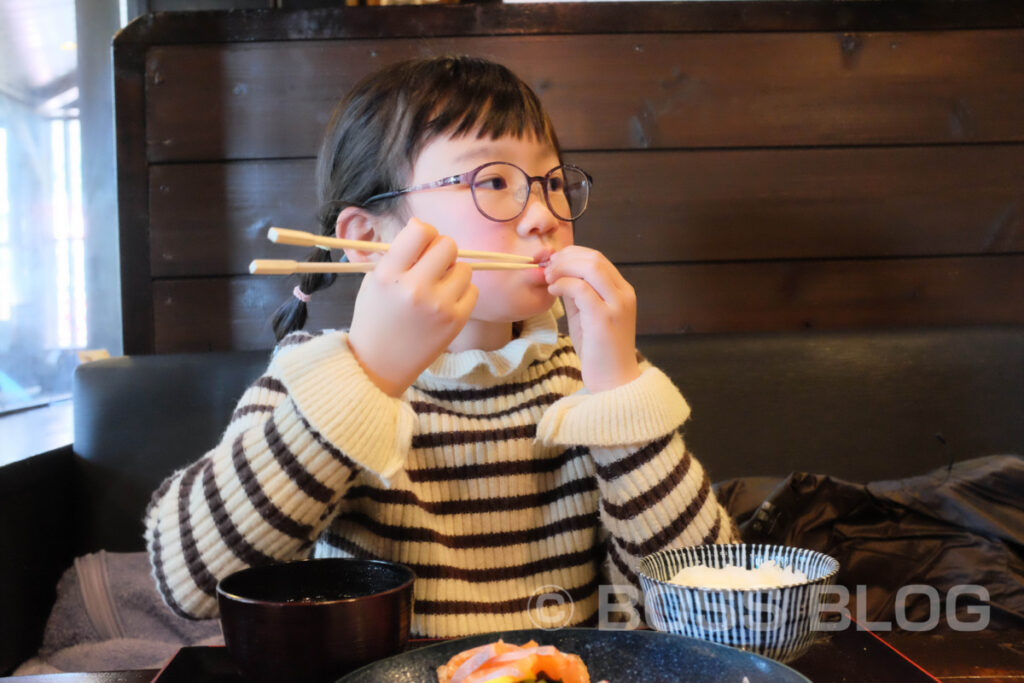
x: 410, y: 307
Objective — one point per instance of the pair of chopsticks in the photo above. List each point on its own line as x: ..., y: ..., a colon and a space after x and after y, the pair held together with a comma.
x: 489, y: 260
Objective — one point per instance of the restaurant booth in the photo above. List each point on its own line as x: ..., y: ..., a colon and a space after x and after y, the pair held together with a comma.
x: 820, y: 206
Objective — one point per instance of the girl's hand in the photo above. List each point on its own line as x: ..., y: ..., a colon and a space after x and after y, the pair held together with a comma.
x: 601, y: 310
x: 410, y: 307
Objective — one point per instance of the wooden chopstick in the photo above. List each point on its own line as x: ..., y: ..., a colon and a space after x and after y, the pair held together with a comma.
x: 287, y: 267
x: 308, y: 239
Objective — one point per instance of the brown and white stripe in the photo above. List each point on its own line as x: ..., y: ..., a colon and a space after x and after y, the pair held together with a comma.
x: 486, y: 514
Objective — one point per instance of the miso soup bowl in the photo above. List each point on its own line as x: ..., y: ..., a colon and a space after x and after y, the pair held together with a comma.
x: 314, y: 620
x: 777, y: 622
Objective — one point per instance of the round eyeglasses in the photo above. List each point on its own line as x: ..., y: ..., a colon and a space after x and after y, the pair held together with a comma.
x: 501, y: 190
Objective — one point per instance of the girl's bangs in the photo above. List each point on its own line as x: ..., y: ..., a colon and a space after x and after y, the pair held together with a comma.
x: 493, y: 113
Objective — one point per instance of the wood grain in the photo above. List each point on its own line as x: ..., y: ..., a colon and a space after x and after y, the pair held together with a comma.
x: 831, y: 166
x: 317, y: 22
x: 745, y: 297
x: 647, y: 207
x: 224, y: 313
x: 132, y: 204
x: 632, y: 91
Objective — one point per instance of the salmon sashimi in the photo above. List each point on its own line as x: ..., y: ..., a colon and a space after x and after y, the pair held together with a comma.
x: 503, y: 662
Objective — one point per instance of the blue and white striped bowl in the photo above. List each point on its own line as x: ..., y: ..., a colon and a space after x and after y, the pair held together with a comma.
x: 774, y: 622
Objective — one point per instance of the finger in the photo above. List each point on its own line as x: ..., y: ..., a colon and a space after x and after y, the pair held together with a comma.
x: 580, y: 294
x: 611, y: 296
x: 571, y: 309
x: 454, y: 283
x: 590, y: 266
x: 436, y: 259
x: 408, y: 245
x: 467, y: 302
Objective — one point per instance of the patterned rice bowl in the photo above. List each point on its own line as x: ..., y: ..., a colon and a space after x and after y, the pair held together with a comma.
x: 777, y: 622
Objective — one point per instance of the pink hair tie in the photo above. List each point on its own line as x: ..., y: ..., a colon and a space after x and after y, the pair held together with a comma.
x: 300, y: 295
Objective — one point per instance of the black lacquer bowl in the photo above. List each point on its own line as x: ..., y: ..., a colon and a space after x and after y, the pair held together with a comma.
x: 314, y: 620
x: 616, y: 655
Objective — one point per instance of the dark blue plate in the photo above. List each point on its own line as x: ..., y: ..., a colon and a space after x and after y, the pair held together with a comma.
x: 616, y: 655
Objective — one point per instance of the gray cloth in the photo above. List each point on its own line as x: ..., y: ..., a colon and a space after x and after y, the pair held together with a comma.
x: 109, y: 617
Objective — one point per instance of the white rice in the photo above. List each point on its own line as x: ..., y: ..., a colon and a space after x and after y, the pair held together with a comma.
x: 768, y: 575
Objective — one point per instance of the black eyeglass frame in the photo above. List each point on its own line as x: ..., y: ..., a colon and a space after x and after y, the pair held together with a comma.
x: 468, y: 177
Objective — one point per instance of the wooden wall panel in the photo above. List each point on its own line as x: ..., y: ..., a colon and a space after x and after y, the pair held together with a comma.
x: 132, y: 201
x: 867, y: 202
x: 270, y: 100
x: 210, y: 314
x: 212, y: 219
x: 225, y: 313
x: 810, y: 165
x: 826, y: 294
x: 710, y: 205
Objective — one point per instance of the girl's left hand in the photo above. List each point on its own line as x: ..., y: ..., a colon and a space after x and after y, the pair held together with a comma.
x: 601, y: 310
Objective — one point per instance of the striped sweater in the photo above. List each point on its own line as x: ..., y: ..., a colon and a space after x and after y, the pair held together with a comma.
x: 496, y: 477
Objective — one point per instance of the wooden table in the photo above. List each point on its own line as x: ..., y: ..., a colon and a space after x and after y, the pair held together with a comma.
x: 849, y: 656
x: 991, y: 656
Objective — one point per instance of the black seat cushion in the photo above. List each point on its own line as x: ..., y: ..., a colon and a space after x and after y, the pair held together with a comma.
x: 860, y: 405
x: 136, y: 420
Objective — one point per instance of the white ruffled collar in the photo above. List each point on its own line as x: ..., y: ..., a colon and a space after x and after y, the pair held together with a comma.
x: 537, y: 339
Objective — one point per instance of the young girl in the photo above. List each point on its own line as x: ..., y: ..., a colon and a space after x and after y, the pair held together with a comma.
x: 451, y: 428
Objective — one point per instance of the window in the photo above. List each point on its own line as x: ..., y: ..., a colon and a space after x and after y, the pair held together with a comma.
x: 51, y: 254
x: 7, y: 284
x: 68, y: 235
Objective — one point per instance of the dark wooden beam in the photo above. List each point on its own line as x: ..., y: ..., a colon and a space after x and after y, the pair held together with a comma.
x: 133, y: 197
x: 559, y: 18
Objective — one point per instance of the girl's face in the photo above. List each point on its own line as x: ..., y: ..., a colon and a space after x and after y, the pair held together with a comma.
x: 505, y: 296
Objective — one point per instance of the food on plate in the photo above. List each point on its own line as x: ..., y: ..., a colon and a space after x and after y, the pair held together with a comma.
x: 768, y: 575
x: 502, y: 662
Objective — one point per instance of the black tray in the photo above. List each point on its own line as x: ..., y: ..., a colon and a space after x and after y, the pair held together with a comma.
x: 200, y: 665
x: 615, y: 655
x: 845, y: 656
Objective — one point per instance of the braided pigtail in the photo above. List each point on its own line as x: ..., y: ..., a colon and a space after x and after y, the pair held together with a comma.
x: 292, y: 314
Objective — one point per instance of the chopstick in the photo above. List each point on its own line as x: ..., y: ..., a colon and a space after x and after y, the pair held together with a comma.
x: 287, y: 267
x: 308, y: 239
